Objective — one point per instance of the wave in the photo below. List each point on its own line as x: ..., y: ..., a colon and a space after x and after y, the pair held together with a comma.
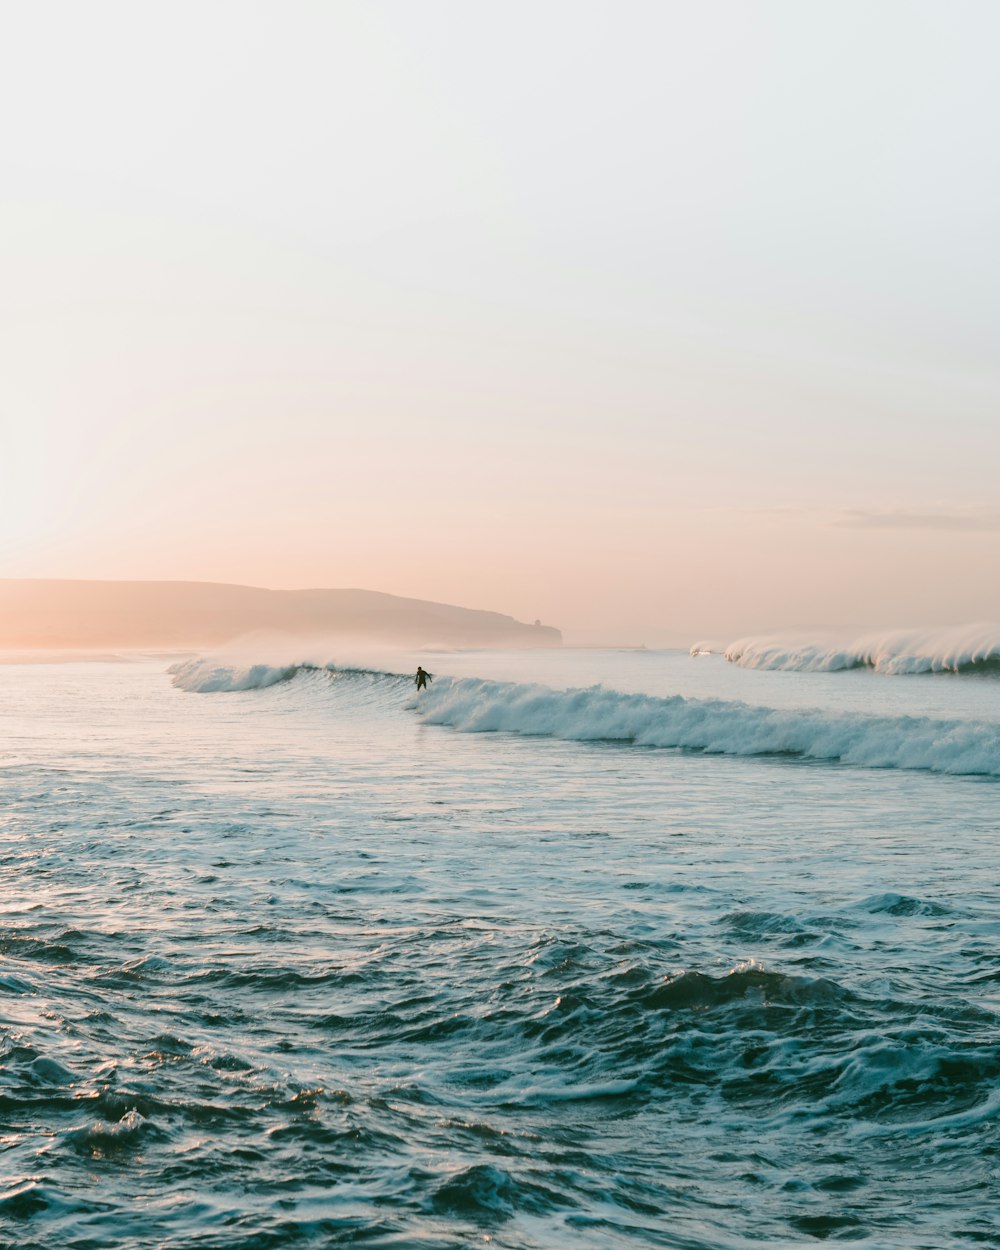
x: 215, y: 676
x: 208, y: 676
x: 961, y: 649
x: 599, y: 714
x: 713, y: 726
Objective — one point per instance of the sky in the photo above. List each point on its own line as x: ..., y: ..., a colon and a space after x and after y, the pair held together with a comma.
x: 657, y: 321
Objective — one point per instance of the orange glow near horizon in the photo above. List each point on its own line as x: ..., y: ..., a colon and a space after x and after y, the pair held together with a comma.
x: 640, y: 362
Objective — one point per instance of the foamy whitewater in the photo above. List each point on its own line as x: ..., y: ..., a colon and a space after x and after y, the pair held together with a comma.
x: 573, y: 949
x: 965, y: 649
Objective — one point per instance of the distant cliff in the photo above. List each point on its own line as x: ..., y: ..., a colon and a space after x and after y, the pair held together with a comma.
x: 36, y: 613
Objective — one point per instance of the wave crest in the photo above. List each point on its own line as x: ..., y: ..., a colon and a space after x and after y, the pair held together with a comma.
x: 713, y: 726
x: 209, y: 675
x: 962, y: 649
x: 599, y: 714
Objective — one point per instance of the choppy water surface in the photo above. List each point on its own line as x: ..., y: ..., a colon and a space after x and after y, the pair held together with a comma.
x: 292, y: 966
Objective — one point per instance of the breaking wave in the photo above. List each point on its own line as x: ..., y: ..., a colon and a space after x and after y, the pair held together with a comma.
x: 964, y: 649
x: 715, y: 726
x: 207, y: 676
x: 600, y: 714
x: 214, y: 676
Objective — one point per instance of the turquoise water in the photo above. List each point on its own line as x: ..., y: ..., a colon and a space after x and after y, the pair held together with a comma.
x: 298, y: 966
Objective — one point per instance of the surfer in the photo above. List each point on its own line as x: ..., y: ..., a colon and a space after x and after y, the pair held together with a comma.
x: 422, y: 678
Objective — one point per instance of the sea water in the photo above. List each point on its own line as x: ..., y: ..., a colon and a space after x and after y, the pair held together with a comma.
x: 574, y: 949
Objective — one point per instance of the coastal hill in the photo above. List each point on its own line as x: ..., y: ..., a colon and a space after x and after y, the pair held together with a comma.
x: 73, y: 614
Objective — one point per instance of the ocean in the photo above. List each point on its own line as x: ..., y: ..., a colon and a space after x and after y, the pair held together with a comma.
x: 589, y: 949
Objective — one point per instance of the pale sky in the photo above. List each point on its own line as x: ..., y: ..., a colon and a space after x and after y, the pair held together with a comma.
x: 655, y: 320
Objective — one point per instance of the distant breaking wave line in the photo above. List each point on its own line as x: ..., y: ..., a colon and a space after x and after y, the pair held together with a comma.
x: 965, y: 649
x: 713, y: 726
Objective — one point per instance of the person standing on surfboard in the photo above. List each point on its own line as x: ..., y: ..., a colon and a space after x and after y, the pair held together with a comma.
x: 422, y: 678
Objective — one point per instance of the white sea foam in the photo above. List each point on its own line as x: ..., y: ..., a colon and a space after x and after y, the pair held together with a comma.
x: 714, y: 726
x: 895, y: 652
